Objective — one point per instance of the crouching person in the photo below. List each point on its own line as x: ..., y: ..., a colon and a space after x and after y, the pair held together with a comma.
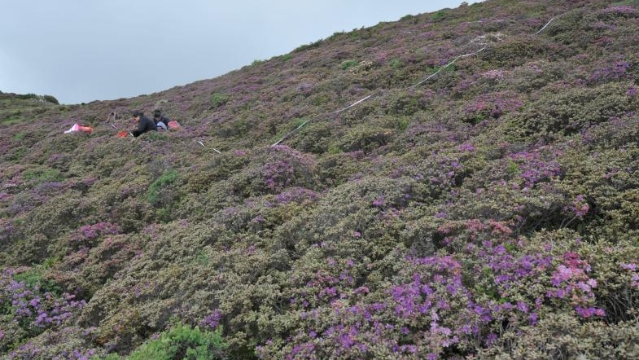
x: 144, y: 123
x: 161, y: 122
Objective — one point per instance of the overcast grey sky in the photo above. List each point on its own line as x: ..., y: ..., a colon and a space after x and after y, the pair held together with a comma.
x: 84, y: 50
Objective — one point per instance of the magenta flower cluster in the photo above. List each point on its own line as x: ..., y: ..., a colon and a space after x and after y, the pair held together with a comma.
x: 91, y: 232
x: 571, y: 281
x: 579, y: 207
x: 212, y: 321
x: 493, y: 105
x: 535, y: 167
x: 296, y: 194
x: 33, y: 307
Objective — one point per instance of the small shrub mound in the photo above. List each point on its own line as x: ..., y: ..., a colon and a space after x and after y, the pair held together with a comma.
x: 183, y: 342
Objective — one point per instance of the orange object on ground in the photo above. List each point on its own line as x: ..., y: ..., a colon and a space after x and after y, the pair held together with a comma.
x: 123, y: 134
x: 78, y: 128
x: 174, y: 125
x: 85, y: 129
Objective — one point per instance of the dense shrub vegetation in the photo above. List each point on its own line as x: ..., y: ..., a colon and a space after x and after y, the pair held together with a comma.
x: 490, y: 212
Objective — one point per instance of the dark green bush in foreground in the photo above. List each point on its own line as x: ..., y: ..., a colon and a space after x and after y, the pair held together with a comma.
x: 182, y: 342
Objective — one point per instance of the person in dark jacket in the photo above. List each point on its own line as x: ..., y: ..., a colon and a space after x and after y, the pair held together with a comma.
x: 161, y: 122
x: 144, y: 123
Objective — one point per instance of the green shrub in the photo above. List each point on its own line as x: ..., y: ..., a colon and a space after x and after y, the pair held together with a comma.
x: 26, y: 96
x: 570, y: 110
x: 158, y: 185
x: 218, y: 100
x: 396, y: 64
x: 19, y: 136
x: 35, y: 276
x: 514, y: 51
x: 41, y: 175
x: 310, y: 46
x: 51, y: 99
x: 437, y: 16
x: 406, y: 17
x: 405, y: 103
x: 313, y: 138
x: 571, y: 339
x: 320, y: 99
x: 111, y: 357
x: 348, y: 64
x: 286, y: 57
x: 183, y: 342
x: 365, y: 138
x: 157, y: 136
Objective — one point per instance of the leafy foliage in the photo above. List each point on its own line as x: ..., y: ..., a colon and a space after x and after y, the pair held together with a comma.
x: 183, y: 342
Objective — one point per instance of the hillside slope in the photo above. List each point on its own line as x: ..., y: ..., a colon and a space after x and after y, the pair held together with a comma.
x: 458, y: 184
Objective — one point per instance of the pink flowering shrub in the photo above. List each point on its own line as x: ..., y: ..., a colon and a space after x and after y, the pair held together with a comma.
x: 87, y: 233
x: 33, y: 307
x: 571, y: 281
x: 491, y: 106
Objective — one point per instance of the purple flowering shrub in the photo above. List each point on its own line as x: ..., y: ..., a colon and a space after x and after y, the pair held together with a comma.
x: 86, y: 234
x: 411, y: 318
x: 595, y: 295
x: 32, y: 306
x: 68, y: 343
x: 491, y: 106
x: 243, y: 174
x: 435, y: 306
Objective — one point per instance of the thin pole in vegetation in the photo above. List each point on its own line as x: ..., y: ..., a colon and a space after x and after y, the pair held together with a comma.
x: 291, y: 132
x: 333, y: 113
x: 542, y: 29
x: 214, y: 149
x: 447, y: 65
x: 353, y: 104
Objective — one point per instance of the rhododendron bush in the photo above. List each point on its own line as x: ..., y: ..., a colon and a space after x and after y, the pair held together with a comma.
x: 454, y: 185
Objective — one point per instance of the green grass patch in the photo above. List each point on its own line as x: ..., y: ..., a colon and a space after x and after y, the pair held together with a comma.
x: 43, y: 175
x: 437, y: 16
x: 183, y: 342
x: 402, y: 123
x: 286, y: 57
x: 156, y: 187
x: 348, y: 64
x: 334, y: 149
x: 19, y: 136
x: 35, y: 277
x: 218, y: 99
x: 396, y: 64
x: 156, y: 135
x: 12, y: 121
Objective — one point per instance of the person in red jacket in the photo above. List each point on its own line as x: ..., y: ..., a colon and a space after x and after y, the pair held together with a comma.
x: 144, y: 123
